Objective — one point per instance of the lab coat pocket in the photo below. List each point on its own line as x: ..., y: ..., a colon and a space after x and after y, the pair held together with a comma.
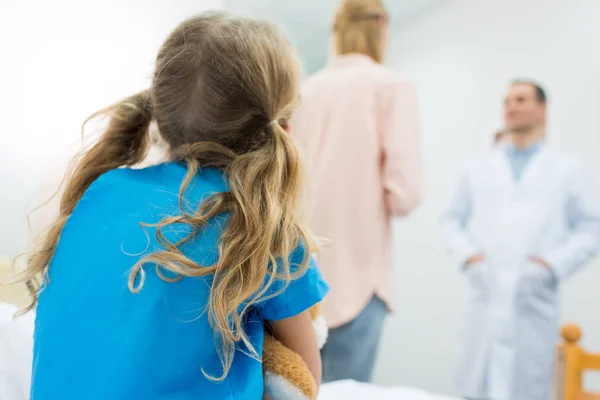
x: 477, y: 275
x: 537, y: 285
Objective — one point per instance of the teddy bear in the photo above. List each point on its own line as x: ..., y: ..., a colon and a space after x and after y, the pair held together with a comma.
x: 286, y: 375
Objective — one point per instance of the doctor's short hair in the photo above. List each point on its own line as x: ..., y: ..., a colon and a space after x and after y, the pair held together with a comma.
x: 540, y: 93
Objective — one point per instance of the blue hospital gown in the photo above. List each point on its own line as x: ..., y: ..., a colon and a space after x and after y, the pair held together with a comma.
x: 94, y: 339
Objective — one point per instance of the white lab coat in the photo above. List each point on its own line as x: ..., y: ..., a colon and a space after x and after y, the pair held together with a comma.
x: 511, y: 323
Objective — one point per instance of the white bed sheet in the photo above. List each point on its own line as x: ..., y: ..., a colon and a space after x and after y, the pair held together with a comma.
x: 351, y: 390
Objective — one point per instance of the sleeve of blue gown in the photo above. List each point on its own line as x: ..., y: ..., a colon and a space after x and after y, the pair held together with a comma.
x: 285, y: 301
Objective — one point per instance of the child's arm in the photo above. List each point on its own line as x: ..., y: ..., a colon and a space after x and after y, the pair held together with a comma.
x: 297, y: 334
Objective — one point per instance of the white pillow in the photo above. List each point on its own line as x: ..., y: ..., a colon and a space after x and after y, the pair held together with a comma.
x: 16, y: 353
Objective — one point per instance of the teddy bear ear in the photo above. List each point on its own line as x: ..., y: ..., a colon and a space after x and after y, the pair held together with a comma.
x: 321, y: 330
x: 315, y: 311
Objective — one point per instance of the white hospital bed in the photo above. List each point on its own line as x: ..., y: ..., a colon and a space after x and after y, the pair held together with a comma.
x: 351, y: 390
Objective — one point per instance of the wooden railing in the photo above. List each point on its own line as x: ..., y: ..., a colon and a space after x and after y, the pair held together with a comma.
x: 572, y: 361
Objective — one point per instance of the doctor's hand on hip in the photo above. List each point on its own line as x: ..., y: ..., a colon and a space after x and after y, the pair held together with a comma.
x: 541, y: 262
x: 477, y: 272
x: 543, y: 266
x: 474, y: 260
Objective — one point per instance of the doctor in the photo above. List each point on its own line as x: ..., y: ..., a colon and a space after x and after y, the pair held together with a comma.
x: 520, y: 221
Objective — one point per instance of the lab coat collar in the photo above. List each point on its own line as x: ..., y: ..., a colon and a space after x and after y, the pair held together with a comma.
x: 532, y: 149
x: 537, y: 164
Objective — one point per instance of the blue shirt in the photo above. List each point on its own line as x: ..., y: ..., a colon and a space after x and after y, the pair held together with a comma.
x: 519, y: 158
x: 94, y: 339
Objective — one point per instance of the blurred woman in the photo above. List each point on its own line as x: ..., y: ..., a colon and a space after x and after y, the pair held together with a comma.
x: 359, y: 129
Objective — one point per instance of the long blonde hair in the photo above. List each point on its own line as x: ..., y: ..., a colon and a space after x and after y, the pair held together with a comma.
x: 221, y: 95
x: 357, y: 28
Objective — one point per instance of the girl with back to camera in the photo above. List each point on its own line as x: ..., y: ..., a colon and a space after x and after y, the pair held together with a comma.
x: 156, y: 281
x: 358, y: 123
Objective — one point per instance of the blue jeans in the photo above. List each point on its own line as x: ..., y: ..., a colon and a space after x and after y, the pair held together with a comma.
x: 351, y: 349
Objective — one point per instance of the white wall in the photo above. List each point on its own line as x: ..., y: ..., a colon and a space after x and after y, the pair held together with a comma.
x: 61, y: 61
x: 462, y: 56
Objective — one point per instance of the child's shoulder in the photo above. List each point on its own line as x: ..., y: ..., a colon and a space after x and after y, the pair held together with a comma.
x: 166, y: 176
x: 158, y: 186
x: 149, y: 176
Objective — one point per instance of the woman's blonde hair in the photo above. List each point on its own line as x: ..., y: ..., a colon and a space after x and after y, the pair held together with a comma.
x: 221, y: 95
x: 357, y: 28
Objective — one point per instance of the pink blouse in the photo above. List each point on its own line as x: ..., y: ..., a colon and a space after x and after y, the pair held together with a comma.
x: 358, y: 129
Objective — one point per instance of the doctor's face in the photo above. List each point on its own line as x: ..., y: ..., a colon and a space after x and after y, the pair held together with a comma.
x: 522, y: 109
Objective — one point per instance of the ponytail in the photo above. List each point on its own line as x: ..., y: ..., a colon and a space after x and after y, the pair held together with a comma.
x: 124, y: 143
x: 263, y: 230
